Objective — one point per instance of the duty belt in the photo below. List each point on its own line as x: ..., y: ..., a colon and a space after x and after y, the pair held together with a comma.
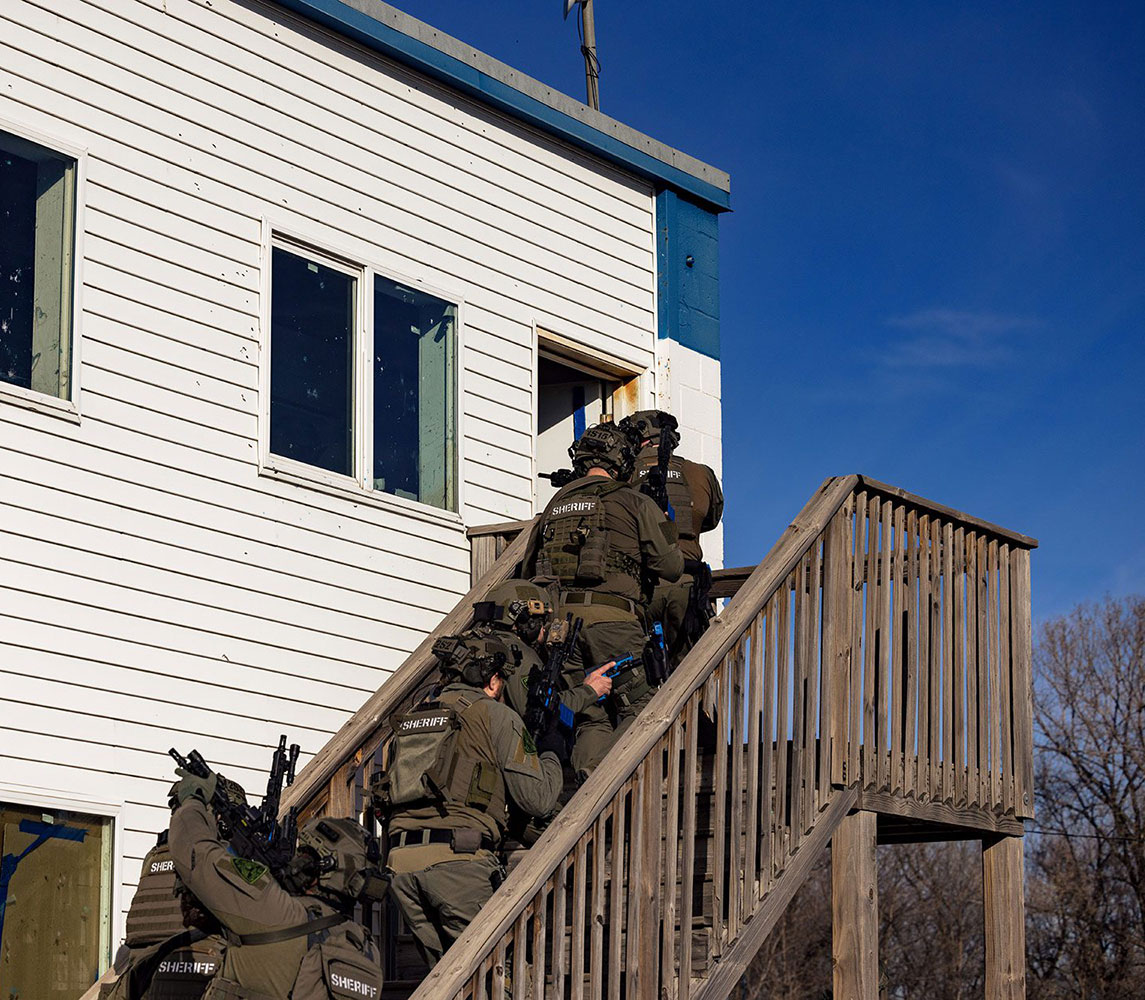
x: 417, y: 838
x: 609, y: 600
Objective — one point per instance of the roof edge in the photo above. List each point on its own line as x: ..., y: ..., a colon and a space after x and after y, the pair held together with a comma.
x: 414, y: 43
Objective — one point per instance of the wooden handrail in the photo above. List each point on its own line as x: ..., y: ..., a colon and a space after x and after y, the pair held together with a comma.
x: 367, y: 725
x: 450, y: 976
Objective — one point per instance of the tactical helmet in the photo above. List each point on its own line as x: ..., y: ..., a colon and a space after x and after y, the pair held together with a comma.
x: 647, y: 424
x: 607, y: 446
x: 346, y: 853
x: 475, y: 658
x: 517, y: 604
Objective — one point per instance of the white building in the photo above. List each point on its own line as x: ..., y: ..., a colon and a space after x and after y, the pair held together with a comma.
x: 291, y: 293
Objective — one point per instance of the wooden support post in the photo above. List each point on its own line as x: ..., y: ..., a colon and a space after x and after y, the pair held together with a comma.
x: 1005, y: 918
x: 855, y: 909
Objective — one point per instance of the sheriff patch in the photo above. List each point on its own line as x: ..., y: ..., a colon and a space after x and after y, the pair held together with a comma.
x: 346, y: 982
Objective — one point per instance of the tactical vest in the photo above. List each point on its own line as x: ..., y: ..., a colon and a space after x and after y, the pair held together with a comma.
x: 163, y: 972
x: 575, y: 546
x: 679, y: 496
x: 155, y: 914
x: 351, y: 968
x: 437, y: 760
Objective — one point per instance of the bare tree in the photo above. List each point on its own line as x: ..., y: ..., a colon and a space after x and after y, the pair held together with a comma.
x: 1087, y: 872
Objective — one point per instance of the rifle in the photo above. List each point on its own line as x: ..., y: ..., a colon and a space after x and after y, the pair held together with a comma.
x: 254, y: 834
x: 544, y: 684
x: 562, y: 477
x: 700, y: 608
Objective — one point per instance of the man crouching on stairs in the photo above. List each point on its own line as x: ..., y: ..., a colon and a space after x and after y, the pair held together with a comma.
x: 458, y: 762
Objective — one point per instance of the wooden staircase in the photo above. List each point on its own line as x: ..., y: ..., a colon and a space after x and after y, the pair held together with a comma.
x: 875, y: 663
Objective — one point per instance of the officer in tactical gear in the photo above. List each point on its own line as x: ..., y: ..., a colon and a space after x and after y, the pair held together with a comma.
x: 698, y: 504
x: 173, y: 947
x: 519, y: 613
x: 604, y: 541
x: 296, y: 940
x: 456, y: 764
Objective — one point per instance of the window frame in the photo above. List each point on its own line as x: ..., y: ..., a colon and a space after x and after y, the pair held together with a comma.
x: 36, y: 797
x: 364, y: 268
x: 30, y: 399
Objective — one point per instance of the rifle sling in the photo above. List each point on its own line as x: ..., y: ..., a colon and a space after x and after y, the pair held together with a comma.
x: 286, y: 933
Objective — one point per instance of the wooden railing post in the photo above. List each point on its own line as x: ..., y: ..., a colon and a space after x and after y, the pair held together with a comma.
x: 1004, y: 917
x: 1021, y: 651
x: 855, y: 909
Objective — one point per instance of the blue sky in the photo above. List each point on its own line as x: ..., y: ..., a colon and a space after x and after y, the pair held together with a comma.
x: 935, y: 268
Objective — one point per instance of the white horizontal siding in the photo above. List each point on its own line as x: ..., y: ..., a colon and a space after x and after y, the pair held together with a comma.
x: 155, y: 589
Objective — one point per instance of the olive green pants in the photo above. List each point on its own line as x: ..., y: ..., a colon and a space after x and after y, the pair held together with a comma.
x: 607, y: 634
x: 440, y: 900
x: 668, y: 607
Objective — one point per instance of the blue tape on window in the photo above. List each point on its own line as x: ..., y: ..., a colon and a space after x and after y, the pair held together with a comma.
x: 578, y: 411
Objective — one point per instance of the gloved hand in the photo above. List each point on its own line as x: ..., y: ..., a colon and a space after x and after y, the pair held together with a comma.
x: 190, y: 786
x: 553, y: 740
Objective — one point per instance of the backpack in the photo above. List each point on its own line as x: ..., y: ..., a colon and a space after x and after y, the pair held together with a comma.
x: 422, y: 758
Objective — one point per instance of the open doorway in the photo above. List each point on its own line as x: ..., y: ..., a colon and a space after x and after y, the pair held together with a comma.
x: 575, y: 389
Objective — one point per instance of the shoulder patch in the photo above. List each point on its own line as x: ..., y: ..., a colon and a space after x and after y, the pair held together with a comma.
x: 250, y: 871
x: 527, y: 742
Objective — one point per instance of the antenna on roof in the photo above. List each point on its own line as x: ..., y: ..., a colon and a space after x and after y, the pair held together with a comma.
x: 586, y: 28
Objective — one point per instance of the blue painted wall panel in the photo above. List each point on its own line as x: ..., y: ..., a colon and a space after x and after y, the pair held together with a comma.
x: 688, y: 296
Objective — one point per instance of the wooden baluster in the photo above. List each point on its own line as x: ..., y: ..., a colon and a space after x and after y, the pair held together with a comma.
x: 870, y: 666
x: 934, y: 662
x: 924, y: 669
x: 651, y: 875
x: 799, y: 703
x: 973, y: 687
x: 837, y: 647
x: 815, y: 736
x: 783, y: 701
x: 885, y: 637
x: 671, y: 854
x: 617, y: 914
x: 540, y: 928
x: 769, y: 743
x: 958, y: 677
x: 560, y: 934
x: 737, y: 660
x: 895, y: 730
x: 994, y: 685
x: 754, y: 709
x: 477, y: 986
x: 576, y: 946
x: 858, y: 644
x: 1005, y: 668
x: 688, y: 838
x: 719, y: 806
x: 520, y: 956
x: 635, y: 914
x: 1020, y: 643
x: 911, y: 750
x: 986, y: 705
x: 597, y: 909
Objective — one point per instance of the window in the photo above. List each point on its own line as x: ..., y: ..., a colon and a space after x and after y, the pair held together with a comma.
x: 55, y: 901
x: 368, y: 394
x: 37, y: 246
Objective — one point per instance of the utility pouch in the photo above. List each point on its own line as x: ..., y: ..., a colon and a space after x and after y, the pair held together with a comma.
x: 422, y: 758
x: 482, y: 786
x: 630, y: 684
x: 467, y: 841
x: 349, y: 974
